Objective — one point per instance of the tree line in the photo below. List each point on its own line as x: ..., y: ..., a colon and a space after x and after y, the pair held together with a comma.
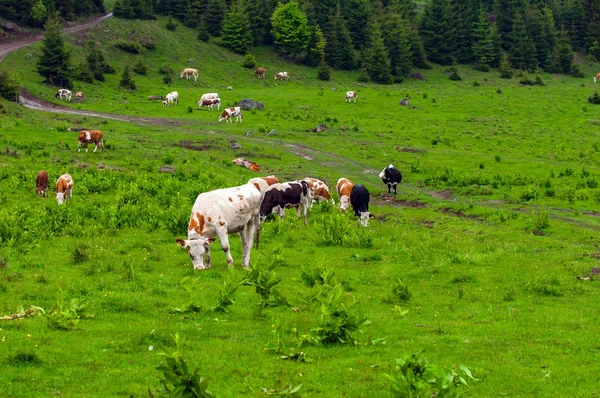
x: 36, y: 12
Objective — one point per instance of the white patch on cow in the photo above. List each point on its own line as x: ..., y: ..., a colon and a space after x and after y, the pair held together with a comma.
x: 382, y: 174
x: 364, y: 218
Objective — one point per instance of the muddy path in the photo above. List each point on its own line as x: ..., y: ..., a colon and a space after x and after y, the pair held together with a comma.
x: 7, y: 48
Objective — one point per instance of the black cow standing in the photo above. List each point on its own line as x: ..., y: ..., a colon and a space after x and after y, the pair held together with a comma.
x: 287, y: 194
x: 391, y: 176
x: 359, y: 199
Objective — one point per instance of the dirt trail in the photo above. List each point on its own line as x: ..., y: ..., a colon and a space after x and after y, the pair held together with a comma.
x: 7, y: 48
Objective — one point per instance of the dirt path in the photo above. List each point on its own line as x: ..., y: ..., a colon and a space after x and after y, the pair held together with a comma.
x: 7, y: 48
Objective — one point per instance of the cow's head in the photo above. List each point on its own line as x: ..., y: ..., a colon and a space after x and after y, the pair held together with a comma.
x: 221, y: 118
x: 344, y: 202
x: 181, y: 75
x: 165, y: 102
x: 364, y: 218
x: 57, y: 95
x: 60, y: 197
x: 197, y: 249
x: 382, y: 174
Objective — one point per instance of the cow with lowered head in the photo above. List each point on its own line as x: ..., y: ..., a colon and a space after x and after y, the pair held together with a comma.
x: 359, y: 199
x: 287, y: 194
x: 391, y: 176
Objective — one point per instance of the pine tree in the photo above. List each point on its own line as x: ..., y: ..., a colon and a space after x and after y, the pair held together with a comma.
x: 316, y: 47
x: 439, y: 33
x: 397, y: 40
x: 339, y: 50
x: 214, y: 16
x: 194, y: 11
x: 465, y: 14
x: 55, y: 61
x: 96, y: 62
x: 522, y: 51
x: 355, y: 13
x: 540, y: 28
x: 324, y: 72
x: 419, y: 58
x: 377, y: 58
x: 202, y: 31
x: 505, y: 11
x: 505, y: 68
x: 127, y: 81
x: 82, y: 72
x: 564, y: 51
x: 236, y: 34
x: 255, y: 14
x: 483, y: 46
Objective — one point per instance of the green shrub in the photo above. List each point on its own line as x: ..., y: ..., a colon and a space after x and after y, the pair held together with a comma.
x: 128, y: 46
x: 9, y: 87
x: 249, y: 61
x: 576, y: 71
x: 324, y: 72
x: 594, y: 98
x: 455, y: 76
x: 127, y: 81
x: 363, y: 75
x: 171, y: 25
x: 80, y: 254
x: 140, y: 67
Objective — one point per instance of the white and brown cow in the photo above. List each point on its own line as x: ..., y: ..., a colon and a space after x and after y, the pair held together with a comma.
x: 187, y: 72
x: 229, y: 113
x: 351, y: 95
x: 64, y: 94
x: 64, y: 188
x: 287, y: 194
x: 210, y: 103
x: 171, y: 98
x: 261, y: 73
x: 318, y: 190
x: 91, y: 136
x: 597, y: 77
x: 219, y: 213
x: 41, y: 183
x: 344, y: 189
x: 282, y: 75
x: 208, y: 96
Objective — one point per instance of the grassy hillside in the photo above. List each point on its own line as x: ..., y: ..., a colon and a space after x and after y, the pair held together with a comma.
x: 475, y: 262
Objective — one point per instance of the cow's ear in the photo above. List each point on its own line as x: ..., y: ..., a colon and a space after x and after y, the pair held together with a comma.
x: 180, y: 242
x: 371, y: 215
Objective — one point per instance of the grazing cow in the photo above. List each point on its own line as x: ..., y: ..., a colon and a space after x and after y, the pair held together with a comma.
x: 282, y: 75
x: 597, y: 77
x: 359, y: 198
x: 171, y: 98
x: 219, y: 213
x: 391, y: 176
x: 63, y: 93
x: 229, y: 113
x: 187, y: 72
x: 344, y: 188
x: 208, y: 96
x: 79, y: 95
x: 41, y: 183
x: 351, y: 95
x: 318, y: 190
x: 210, y: 103
x: 64, y: 188
x: 261, y: 73
x: 287, y: 194
x: 88, y: 136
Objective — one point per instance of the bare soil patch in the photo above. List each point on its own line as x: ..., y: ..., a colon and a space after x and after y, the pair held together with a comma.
x: 459, y: 213
x: 445, y: 194
x: 388, y: 199
x: 188, y: 144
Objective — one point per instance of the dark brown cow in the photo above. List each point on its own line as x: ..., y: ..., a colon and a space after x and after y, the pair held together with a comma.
x: 287, y: 194
x: 261, y: 73
x: 41, y: 183
x: 88, y: 136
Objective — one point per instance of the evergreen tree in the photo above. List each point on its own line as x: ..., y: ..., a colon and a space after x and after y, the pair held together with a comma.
x: 574, y: 21
x: 505, y: 68
x: 82, y: 73
x: 540, y: 28
x: 522, y: 51
x: 324, y: 72
x: 339, y: 50
x: 195, y: 10
x: 465, y: 14
x: 215, y: 13
x: 419, y: 58
x: 438, y: 32
x: 316, y: 47
x: 564, y: 52
x: 55, y: 61
x: 127, y: 81
x: 497, y: 47
x: 397, y: 40
x: 202, y: 31
x: 291, y: 30
x: 483, y: 46
x: 376, y: 57
x: 505, y: 11
x: 236, y: 34
x: 355, y: 13
x: 9, y: 86
x: 255, y: 15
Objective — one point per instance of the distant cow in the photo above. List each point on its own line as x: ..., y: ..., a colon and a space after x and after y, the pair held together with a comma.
x: 171, y: 98
x: 282, y: 75
x: 391, y: 176
x: 261, y: 73
x: 287, y: 194
x: 359, y: 198
x: 64, y: 94
x: 187, y: 72
x: 208, y: 96
x: 91, y: 136
x: 229, y: 113
x: 41, y: 183
x: 79, y: 95
x: 597, y: 77
x: 344, y: 188
x: 219, y: 213
x: 351, y: 95
x: 64, y: 188
x: 210, y: 103
x: 318, y: 190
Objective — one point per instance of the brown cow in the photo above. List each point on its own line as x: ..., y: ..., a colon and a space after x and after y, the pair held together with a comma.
x: 64, y: 188
x: 261, y: 73
x: 344, y: 189
x: 41, y: 183
x: 88, y: 136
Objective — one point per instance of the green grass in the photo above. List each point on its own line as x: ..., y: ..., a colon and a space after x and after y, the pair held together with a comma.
x: 492, y: 282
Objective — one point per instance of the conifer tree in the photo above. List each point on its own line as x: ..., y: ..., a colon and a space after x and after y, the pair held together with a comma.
x: 505, y: 68
x: 522, y: 51
x: 355, y: 13
x: 339, y: 50
x: 465, y: 14
x: 255, y: 14
x: 55, y: 61
x: 376, y: 56
x: 215, y: 13
x: 236, y: 34
x: 419, y: 58
x: 127, y: 81
x: 483, y: 46
x: 82, y: 72
x: 505, y: 11
x: 202, y: 31
x: 316, y: 47
x: 194, y: 11
x: 396, y: 38
x: 564, y: 52
x: 438, y: 32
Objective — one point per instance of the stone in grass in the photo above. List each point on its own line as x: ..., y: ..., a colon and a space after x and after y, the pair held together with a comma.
x: 166, y: 169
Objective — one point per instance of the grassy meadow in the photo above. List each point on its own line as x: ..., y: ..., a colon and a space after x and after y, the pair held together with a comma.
x: 475, y: 262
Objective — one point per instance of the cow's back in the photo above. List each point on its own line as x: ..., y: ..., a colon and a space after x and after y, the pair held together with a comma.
x: 344, y: 187
x: 359, y: 199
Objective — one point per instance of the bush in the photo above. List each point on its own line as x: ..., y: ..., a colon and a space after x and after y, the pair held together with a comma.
x: 168, y: 79
x: 147, y: 43
x: 166, y: 70
x: 249, y: 62
x: 171, y: 25
x: 594, y: 98
x: 83, y: 73
x: 576, y: 71
x: 363, y: 76
x: 455, y: 76
x: 140, y: 67
x: 482, y: 67
x: 324, y: 72
x: 128, y: 46
x: 127, y: 81
x: 9, y: 87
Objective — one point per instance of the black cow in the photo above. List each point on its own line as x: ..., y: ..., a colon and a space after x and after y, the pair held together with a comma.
x: 359, y: 199
x: 287, y: 194
x: 391, y: 176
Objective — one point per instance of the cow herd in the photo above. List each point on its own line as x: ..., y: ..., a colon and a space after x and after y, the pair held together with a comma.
x: 242, y: 209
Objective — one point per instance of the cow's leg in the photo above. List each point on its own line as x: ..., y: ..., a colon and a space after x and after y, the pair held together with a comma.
x: 395, y: 186
x: 224, y: 239
x: 86, y: 147
x: 95, y: 146
x: 252, y: 226
x: 79, y: 147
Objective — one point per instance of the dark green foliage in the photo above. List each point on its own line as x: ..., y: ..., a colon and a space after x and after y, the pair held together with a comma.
x: 324, y: 72
x: 133, y: 9
x: 454, y: 75
x: 171, y: 25
x: 9, y: 86
x: 339, y: 51
x: 505, y: 11
x: 522, y: 52
x: 202, y: 31
x: 505, y: 68
x: 235, y: 33
x: 82, y: 72
x: 36, y: 12
x: 195, y: 9
x: 214, y: 16
x: 376, y: 57
x: 291, y: 31
x: 576, y: 71
x: 419, y: 58
x: 127, y: 81
x: 563, y: 52
x: 594, y: 98
x: 484, y: 52
x: 466, y: 14
x: 396, y: 37
x: 355, y: 13
x: 316, y: 47
x: 363, y: 75
x: 54, y: 63
x: 97, y: 62
x: 438, y: 30
x: 140, y: 67
x: 132, y: 47
x: 249, y: 61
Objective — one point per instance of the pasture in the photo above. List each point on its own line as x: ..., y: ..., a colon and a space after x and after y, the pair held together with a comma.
x: 474, y: 262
